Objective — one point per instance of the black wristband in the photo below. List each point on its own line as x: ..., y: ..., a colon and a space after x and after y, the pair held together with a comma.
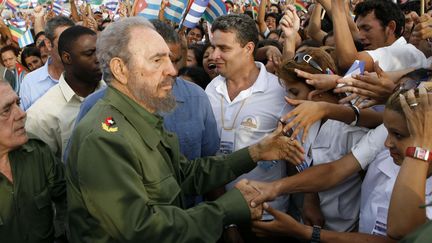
x: 357, y: 115
x: 316, y: 234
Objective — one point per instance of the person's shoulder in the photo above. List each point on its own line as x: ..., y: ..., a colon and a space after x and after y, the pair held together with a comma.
x: 35, y: 150
x: 50, y: 102
x: 191, y: 88
x: 36, y: 75
x: 214, y: 83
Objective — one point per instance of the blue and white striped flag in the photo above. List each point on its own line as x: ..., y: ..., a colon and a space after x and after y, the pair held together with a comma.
x: 174, y: 11
x: 112, y: 5
x: 195, y: 13
x: 152, y: 9
x: 26, y: 39
x: 19, y: 23
x: 215, y: 9
x: 60, y: 10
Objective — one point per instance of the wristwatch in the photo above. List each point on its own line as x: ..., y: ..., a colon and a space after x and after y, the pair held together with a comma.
x: 419, y: 153
x: 316, y: 234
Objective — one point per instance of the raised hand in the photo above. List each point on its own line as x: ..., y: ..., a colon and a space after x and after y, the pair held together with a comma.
x: 277, y: 146
x: 321, y: 82
x: 304, y: 115
x: 376, y: 86
x: 38, y: 11
x: 290, y: 22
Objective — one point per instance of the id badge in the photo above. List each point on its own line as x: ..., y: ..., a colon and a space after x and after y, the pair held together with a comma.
x: 380, y: 227
x: 226, y: 142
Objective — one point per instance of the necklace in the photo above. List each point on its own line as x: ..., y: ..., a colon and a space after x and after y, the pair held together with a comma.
x: 235, y: 117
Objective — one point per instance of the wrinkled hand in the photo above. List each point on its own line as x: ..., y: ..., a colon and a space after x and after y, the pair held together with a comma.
x: 419, y: 117
x: 250, y: 193
x: 304, y: 116
x: 277, y: 146
x: 268, y: 191
x: 312, y: 214
x: 38, y: 11
x: 290, y: 22
x: 422, y: 29
x: 377, y: 87
x: 321, y: 82
x: 274, y: 55
x: 283, y: 224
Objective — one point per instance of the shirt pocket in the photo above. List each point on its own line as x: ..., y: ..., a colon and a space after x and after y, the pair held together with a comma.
x: 163, y: 192
x: 42, y: 199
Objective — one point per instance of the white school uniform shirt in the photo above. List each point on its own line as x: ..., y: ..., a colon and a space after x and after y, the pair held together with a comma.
x: 399, y: 55
x: 341, y: 204
x: 376, y: 193
x: 253, y: 114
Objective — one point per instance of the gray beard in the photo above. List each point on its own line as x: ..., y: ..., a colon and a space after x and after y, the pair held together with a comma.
x: 144, y: 95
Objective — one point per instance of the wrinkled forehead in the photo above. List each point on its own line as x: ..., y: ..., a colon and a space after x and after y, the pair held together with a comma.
x: 7, y: 95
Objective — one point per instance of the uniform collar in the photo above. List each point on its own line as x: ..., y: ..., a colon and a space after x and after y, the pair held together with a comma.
x: 260, y: 84
x: 388, y: 167
x: 138, y: 116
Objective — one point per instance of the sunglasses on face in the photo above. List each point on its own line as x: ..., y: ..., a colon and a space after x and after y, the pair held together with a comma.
x: 303, y: 57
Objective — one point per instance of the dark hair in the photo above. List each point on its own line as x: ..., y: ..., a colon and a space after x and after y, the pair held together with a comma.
x: 199, y: 27
x: 198, y: 50
x: 166, y: 31
x: 55, y: 23
x: 9, y: 48
x: 70, y: 36
x: 197, y: 74
x: 29, y: 51
x: 278, y: 32
x: 272, y: 15
x: 240, y: 24
x: 409, y: 6
x: 419, y: 74
x: 229, y: 2
x: 309, y: 43
x: 40, y: 33
x: 385, y: 11
x: 277, y: 6
x: 329, y: 34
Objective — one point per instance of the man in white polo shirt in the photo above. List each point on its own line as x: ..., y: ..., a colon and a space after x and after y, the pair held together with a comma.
x: 246, y: 99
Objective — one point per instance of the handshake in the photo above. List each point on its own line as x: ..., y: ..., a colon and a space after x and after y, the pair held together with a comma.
x: 255, y: 196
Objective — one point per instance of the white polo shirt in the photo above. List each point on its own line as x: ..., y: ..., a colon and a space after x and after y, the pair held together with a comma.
x: 244, y: 121
x: 340, y: 205
x: 376, y: 194
x: 399, y: 55
x: 370, y: 145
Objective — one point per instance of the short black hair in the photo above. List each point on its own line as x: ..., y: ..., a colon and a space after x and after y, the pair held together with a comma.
x: 240, y: 24
x: 385, y: 11
x: 198, y: 50
x: 39, y: 34
x: 29, y: 51
x: 70, y: 36
x: 9, y: 48
x: 277, y: 6
x: 199, y: 27
x: 272, y: 15
x: 166, y: 31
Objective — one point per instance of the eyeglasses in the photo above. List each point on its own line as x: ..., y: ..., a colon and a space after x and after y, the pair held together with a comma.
x: 300, y: 57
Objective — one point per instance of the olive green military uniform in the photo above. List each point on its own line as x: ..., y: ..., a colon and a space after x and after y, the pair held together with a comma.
x: 421, y: 235
x: 26, y: 212
x: 127, y: 180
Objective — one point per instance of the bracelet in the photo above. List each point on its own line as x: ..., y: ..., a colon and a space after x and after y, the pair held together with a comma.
x: 357, y: 115
x: 230, y: 226
x: 316, y: 234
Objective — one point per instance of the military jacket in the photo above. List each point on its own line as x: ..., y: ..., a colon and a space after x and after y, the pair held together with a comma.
x: 127, y: 180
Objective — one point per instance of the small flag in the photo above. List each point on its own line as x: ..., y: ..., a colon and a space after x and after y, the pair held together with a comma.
x: 215, y: 9
x: 19, y: 23
x: 15, y: 32
x: 12, y: 5
x: 195, y: 13
x: 174, y: 11
x: 112, y: 5
x: 300, y: 6
x: 60, y: 10
x: 26, y: 39
x: 147, y: 8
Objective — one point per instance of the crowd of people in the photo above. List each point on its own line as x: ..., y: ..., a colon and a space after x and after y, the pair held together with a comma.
x: 287, y: 121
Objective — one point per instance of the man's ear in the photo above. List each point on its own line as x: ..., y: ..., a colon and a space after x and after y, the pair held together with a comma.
x: 66, y: 58
x: 48, y: 44
x: 250, y: 47
x: 391, y: 28
x: 119, y: 70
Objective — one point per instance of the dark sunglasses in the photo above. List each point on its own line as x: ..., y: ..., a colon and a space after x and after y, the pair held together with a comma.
x: 304, y: 57
x: 409, y: 84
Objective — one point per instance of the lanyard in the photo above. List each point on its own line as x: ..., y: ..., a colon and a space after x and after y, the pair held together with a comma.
x: 235, y: 117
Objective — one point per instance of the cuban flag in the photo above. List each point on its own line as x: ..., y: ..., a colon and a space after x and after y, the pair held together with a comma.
x: 19, y: 23
x: 147, y: 8
x: 174, y: 11
x: 12, y: 5
x: 195, y: 13
x: 60, y: 10
x: 215, y: 9
x: 26, y: 39
x: 112, y: 5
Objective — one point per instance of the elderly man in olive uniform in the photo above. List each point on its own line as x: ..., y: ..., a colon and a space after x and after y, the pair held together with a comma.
x: 126, y: 177
x: 31, y: 179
